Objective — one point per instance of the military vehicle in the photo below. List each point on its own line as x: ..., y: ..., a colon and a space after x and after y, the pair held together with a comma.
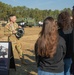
x: 40, y: 23
x: 26, y: 22
x: 3, y: 23
x: 21, y: 22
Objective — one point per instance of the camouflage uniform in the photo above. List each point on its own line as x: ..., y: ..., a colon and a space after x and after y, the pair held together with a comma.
x: 16, y: 44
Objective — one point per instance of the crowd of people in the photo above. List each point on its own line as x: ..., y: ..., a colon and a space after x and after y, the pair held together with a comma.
x: 54, y: 49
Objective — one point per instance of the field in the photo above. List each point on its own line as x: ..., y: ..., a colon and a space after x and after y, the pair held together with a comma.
x: 28, y: 41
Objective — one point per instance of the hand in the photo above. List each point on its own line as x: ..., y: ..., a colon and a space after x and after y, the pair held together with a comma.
x: 14, y: 32
x: 19, y: 27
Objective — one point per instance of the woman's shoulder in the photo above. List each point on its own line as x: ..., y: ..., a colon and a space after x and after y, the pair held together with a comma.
x: 67, y: 31
x: 61, y: 40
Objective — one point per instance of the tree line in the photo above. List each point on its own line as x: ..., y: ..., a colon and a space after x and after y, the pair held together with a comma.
x: 25, y: 12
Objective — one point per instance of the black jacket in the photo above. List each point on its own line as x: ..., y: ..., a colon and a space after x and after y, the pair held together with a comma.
x: 69, y: 42
x: 54, y: 64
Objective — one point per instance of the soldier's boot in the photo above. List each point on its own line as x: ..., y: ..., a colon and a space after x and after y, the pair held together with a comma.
x: 22, y: 60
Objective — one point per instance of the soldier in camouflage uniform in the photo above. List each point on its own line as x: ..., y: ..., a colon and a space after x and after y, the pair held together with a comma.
x: 10, y: 31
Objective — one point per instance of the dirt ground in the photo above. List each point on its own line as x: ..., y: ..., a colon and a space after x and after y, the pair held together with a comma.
x: 28, y: 41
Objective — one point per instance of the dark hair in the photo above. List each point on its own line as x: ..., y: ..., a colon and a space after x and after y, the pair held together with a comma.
x: 64, y: 20
x: 11, y: 15
x: 73, y: 16
x: 47, y: 42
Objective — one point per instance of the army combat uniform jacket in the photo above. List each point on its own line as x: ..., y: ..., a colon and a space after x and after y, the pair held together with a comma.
x: 8, y: 31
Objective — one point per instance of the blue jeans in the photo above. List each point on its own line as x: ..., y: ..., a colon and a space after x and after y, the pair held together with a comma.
x: 41, y: 72
x: 67, y: 66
